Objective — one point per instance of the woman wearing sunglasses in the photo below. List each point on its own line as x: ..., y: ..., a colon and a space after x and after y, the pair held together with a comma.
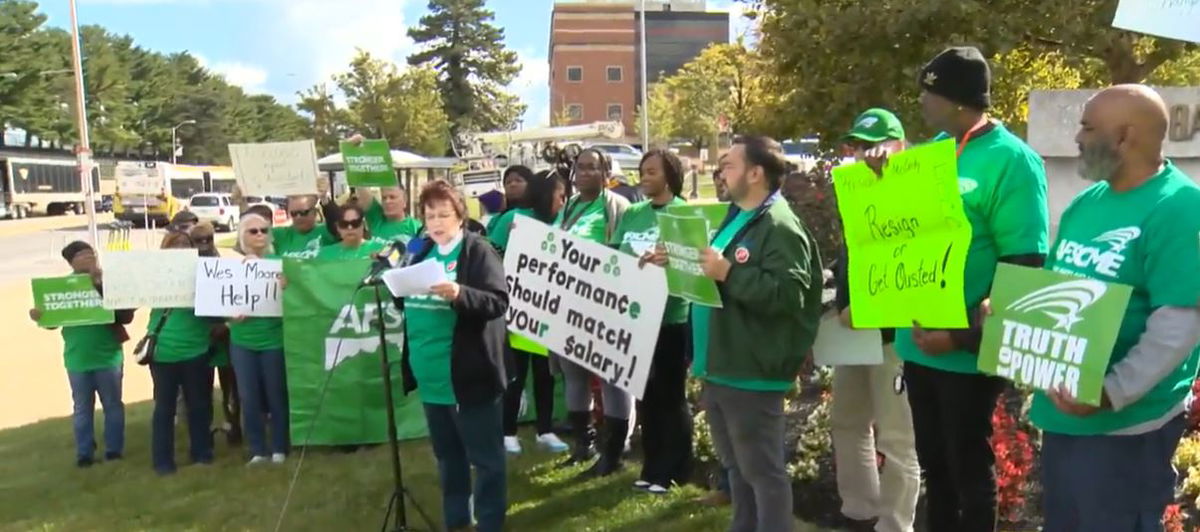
x: 454, y: 353
x: 352, y: 230
x: 257, y: 353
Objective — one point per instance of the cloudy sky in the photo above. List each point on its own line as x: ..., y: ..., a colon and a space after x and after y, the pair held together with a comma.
x: 280, y: 47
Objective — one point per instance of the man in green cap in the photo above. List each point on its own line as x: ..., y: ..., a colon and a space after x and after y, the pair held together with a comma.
x: 867, y: 396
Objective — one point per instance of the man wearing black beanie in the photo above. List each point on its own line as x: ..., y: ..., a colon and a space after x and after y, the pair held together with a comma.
x: 1003, y: 187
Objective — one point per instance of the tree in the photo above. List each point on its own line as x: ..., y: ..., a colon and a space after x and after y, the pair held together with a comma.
x: 662, y: 124
x: 843, y: 56
x: 467, y: 52
x: 329, y: 123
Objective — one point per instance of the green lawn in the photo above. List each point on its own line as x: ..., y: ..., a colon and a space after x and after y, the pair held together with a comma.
x: 43, y: 490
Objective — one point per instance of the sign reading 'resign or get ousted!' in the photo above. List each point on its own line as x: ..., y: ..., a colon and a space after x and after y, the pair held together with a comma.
x: 584, y: 301
x: 1049, y: 329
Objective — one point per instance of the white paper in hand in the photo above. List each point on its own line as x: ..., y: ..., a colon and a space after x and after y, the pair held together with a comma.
x: 414, y: 280
x: 838, y: 346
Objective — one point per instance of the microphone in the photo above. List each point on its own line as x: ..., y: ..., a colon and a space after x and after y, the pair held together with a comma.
x: 389, y: 257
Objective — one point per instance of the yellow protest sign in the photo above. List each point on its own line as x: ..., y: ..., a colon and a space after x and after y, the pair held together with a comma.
x: 907, y: 237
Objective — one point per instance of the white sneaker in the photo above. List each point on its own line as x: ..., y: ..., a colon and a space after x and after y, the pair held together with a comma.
x: 512, y: 445
x: 657, y: 490
x: 550, y: 442
x: 641, y: 484
x: 257, y: 460
x: 278, y: 458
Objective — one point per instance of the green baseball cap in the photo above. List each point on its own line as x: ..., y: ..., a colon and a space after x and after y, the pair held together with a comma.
x: 876, y: 125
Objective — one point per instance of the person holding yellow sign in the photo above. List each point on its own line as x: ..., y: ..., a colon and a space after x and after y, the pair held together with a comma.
x: 1002, y: 183
x: 869, y: 415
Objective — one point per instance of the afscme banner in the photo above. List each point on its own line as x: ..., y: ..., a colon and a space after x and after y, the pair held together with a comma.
x: 584, y: 301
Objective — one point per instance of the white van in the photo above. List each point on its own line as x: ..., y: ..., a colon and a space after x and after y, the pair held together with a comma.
x: 217, y: 209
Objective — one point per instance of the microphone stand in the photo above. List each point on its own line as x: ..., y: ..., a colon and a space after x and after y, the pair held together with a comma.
x: 397, y: 513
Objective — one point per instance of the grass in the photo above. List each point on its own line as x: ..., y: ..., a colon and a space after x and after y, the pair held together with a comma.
x: 43, y: 490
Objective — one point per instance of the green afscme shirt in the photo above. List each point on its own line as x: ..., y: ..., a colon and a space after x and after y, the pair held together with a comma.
x: 1147, y: 238
x: 586, y: 220
x: 636, y: 233
x: 90, y: 348
x: 184, y: 336
x: 1003, y: 186
x: 340, y: 251
x: 384, y: 230
x: 501, y: 226
x: 258, y: 333
x: 430, y: 324
x: 290, y: 243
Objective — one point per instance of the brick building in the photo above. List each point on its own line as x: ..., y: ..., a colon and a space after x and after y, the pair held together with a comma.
x: 595, y: 60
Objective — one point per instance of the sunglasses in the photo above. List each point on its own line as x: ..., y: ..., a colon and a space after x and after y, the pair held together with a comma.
x: 305, y: 212
x: 350, y: 224
x: 202, y: 240
x: 257, y: 231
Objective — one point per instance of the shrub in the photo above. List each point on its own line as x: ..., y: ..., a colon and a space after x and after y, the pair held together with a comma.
x: 1014, y: 461
x: 815, y: 442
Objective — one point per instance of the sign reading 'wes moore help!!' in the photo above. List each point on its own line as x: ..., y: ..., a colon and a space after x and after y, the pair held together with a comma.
x: 237, y: 287
x: 584, y: 301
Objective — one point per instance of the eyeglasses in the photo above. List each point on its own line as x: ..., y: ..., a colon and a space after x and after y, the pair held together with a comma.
x: 257, y: 230
x: 305, y: 212
x: 350, y: 224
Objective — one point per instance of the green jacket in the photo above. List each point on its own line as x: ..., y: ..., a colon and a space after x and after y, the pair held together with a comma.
x: 772, y: 298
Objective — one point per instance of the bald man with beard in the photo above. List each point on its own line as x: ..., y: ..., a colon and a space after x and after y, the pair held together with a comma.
x: 1108, y: 468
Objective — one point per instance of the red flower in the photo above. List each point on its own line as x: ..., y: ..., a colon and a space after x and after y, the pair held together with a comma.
x: 1014, y: 461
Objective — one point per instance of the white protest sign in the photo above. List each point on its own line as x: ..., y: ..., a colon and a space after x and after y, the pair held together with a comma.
x: 275, y: 168
x: 136, y: 178
x: 584, y: 301
x: 235, y: 287
x: 1174, y: 19
x: 838, y: 345
x: 163, y: 278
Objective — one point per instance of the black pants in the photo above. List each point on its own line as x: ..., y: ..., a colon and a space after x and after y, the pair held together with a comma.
x: 543, y: 391
x: 663, y: 411
x: 952, y: 422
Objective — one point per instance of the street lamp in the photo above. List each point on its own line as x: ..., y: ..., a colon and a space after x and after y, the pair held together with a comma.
x: 645, y: 107
x: 83, y: 150
x: 174, y: 142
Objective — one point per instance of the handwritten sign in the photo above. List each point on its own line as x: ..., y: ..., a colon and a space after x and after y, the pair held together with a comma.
x: 68, y: 301
x: 369, y: 164
x: 136, y: 178
x: 587, y: 302
x: 233, y: 287
x: 275, y: 168
x: 161, y: 278
x: 907, y: 237
x: 1049, y: 329
x: 1174, y: 19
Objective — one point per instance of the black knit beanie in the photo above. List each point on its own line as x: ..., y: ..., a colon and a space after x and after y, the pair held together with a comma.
x: 961, y: 75
x: 75, y: 248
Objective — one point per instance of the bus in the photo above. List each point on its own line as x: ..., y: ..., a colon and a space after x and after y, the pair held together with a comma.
x: 150, y: 193
x: 48, y: 185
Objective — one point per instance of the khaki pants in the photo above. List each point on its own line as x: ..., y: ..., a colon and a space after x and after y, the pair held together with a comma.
x: 868, y: 416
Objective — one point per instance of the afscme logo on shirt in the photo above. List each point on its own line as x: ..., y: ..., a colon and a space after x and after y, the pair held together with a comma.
x: 1063, y: 301
x: 1102, y: 261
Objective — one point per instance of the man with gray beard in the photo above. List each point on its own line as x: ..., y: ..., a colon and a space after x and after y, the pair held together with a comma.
x: 1108, y: 468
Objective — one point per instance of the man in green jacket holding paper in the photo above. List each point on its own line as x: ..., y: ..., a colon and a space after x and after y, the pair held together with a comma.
x: 748, y: 353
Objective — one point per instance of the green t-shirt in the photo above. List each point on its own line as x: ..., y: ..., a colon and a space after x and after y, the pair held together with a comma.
x: 340, y: 252
x: 502, y: 226
x: 586, y: 220
x: 701, y: 315
x: 90, y: 347
x: 184, y: 336
x: 1003, y: 187
x: 430, y: 323
x: 384, y: 230
x: 1147, y: 238
x: 220, y: 357
x: 258, y: 333
x: 637, y: 232
x: 290, y: 243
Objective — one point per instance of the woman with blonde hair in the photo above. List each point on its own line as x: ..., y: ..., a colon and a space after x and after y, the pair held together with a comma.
x: 257, y: 353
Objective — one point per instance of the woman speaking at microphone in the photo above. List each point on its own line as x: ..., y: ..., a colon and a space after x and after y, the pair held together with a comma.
x: 454, y: 354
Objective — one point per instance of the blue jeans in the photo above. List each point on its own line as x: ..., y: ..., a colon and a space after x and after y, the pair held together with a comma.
x: 1109, y: 483
x: 194, y: 377
x: 261, y: 375
x: 465, y: 436
x: 85, y: 386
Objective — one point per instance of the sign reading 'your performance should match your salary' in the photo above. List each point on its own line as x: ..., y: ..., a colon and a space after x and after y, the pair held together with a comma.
x: 1048, y: 329
x: 584, y: 301
x: 907, y: 237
